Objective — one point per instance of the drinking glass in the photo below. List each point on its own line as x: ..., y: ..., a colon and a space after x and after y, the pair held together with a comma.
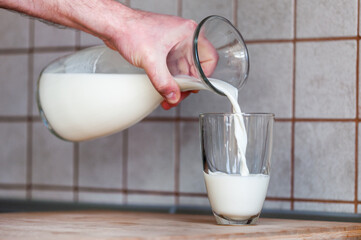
x: 236, y: 190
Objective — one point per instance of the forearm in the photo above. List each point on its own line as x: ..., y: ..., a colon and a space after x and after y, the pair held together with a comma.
x: 98, y: 17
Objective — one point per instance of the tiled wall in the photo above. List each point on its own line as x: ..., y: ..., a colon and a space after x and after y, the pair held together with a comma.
x: 304, y: 68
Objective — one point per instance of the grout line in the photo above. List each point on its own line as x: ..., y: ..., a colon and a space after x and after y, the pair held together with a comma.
x: 325, y: 39
x: 36, y: 50
x: 268, y: 41
x: 195, y: 119
x: 76, y: 171
x: 323, y: 201
x: 179, y: 8
x: 43, y: 187
x: 235, y: 13
x: 282, y: 199
x: 29, y: 157
x: 186, y: 119
x: 256, y: 41
x: 177, y: 142
x: 125, y: 155
x: 357, y: 106
x: 293, y: 106
x: 19, y: 119
x: 13, y: 186
x: 29, y: 125
x: 320, y: 119
x: 13, y: 119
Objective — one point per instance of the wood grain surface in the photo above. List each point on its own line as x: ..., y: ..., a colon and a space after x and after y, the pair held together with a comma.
x: 100, y: 225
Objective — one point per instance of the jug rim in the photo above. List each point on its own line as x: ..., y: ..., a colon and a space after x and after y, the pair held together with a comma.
x: 196, y: 54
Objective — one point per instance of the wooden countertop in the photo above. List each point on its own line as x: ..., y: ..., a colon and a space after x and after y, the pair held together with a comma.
x: 84, y: 225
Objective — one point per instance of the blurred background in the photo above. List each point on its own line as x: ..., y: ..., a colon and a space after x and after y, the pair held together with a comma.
x: 304, y: 58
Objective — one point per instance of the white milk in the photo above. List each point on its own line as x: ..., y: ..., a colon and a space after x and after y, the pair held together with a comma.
x: 234, y: 196
x: 85, y: 106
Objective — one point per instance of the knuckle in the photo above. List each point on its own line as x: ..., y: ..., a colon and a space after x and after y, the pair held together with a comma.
x: 162, y: 87
x: 191, y: 24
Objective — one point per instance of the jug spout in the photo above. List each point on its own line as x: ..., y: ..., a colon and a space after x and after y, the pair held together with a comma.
x: 216, y: 50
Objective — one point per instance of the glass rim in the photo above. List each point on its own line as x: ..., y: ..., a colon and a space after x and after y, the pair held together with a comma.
x: 269, y: 115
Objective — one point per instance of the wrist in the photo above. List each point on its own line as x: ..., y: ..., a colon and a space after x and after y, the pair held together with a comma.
x: 102, y: 18
x: 105, y: 19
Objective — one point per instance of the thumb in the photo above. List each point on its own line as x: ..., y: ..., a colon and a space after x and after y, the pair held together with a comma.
x: 163, y: 81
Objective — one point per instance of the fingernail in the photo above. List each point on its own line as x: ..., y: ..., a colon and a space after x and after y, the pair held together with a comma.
x: 171, y: 98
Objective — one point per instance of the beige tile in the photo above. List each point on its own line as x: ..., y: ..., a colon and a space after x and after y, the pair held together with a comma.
x: 87, y: 39
x: 280, y: 182
x: 100, y: 162
x: 277, y: 205
x: 100, y: 197
x: 325, y: 160
x: 191, y: 170
x: 47, y: 35
x: 52, y: 158
x: 53, y: 196
x: 13, y: 153
x: 13, y: 84
x: 204, y: 102
x: 149, y: 199
x: 12, y: 194
x: 272, y: 19
x: 157, y: 6
x: 324, y: 207
x: 14, y: 30
x: 197, y: 10
x: 326, y: 18
x: 151, y: 156
x: 194, y: 201
x: 269, y: 87
x: 325, y: 79
x: 41, y: 60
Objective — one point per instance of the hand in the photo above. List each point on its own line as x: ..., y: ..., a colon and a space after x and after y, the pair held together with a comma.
x: 149, y: 41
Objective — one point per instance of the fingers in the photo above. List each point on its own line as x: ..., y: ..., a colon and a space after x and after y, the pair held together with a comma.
x: 110, y: 44
x: 208, y: 56
x: 162, y: 80
x: 165, y: 105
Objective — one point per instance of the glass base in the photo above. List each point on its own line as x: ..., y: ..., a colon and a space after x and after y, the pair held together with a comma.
x: 226, y: 221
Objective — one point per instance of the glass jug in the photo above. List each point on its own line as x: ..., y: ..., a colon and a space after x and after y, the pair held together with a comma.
x: 95, y: 92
